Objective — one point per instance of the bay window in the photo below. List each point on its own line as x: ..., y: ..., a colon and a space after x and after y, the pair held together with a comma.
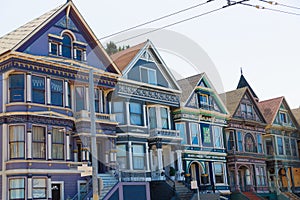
x: 79, y: 97
x: 181, y: 128
x: 138, y: 153
x: 98, y: 101
x: 16, y: 188
x: 16, y: 87
x: 136, y: 113
x: 279, y: 146
x: 159, y: 117
x: 118, y: 110
x: 39, y: 142
x: 57, y: 144
x: 38, y: 89
x: 17, y: 142
x: 56, y: 92
x: 39, y: 188
x: 164, y: 118
x: 259, y: 144
x: 217, y: 131
x: 122, y: 156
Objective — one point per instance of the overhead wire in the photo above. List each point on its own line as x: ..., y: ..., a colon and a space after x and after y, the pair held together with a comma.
x: 181, y: 21
x: 157, y: 19
x: 280, y: 4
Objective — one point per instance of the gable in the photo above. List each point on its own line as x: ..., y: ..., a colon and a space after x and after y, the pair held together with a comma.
x: 148, y: 67
x: 248, y: 109
x: 205, y: 97
x: 47, y: 40
x: 283, y: 116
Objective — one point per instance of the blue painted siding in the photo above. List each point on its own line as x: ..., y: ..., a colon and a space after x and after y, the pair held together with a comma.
x: 1, y: 187
x: 70, y: 183
x: 1, y: 91
x: 134, y: 192
x: 134, y: 73
x: 1, y: 138
x: 26, y: 165
x: 38, y: 45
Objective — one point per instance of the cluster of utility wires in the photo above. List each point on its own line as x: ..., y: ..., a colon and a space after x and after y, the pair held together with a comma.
x: 272, y: 6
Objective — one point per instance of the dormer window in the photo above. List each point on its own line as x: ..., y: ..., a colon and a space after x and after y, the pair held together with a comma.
x: 283, y: 118
x: 204, y: 103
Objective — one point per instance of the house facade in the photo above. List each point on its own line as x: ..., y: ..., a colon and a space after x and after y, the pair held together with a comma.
x: 201, y: 120
x: 244, y: 142
x: 281, y: 143
x: 146, y: 95
x: 44, y: 105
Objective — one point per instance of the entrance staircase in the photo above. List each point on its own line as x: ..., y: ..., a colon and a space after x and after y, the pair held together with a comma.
x: 252, y: 196
x: 291, y: 196
x: 182, y: 191
x: 108, y: 182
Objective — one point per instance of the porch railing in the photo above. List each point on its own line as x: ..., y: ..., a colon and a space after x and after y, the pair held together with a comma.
x: 164, y: 132
x: 84, y: 114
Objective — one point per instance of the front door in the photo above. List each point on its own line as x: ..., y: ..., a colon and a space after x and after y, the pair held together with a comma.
x: 56, y: 191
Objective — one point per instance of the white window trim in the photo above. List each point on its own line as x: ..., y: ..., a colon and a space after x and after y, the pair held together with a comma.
x: 26, y: 146
x: 184, y: 131
x: 16, y: 177
x: 66, y: 142
x: 148, y: 69
x: 158, y: 115
x: 199, y: 134
x: 221, y: 136
x: 46, y: 141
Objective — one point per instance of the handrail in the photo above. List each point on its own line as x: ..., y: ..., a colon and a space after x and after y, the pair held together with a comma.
x: 85, y: 188
x: 172, y: 181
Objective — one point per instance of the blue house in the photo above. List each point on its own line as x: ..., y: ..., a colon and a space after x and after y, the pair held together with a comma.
x: 44, y: 121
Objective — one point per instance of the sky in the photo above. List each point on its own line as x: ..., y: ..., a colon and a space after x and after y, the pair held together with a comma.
x: 265, y: 44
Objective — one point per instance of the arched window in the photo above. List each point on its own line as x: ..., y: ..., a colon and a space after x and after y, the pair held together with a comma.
x: 67, y: 46
x: 249, y: 143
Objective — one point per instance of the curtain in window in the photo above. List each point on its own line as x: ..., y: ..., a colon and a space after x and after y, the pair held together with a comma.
x: 38, y: 89
x: 57, y: 144
x: 16, y: 88
x: 136, y: 114
x: 138, y: 156
x: 17, y: 142
x: 164, y: 118
x: 38, y: 142
x: 56, y: 92
x: 17, y: 188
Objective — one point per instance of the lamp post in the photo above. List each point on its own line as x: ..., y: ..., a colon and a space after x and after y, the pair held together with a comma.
x: 93, y: 135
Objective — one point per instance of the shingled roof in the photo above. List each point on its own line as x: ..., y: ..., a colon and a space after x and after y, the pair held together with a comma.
x: 244, y: 83
x: 188, y: 86
x: 12, y: 39
x: 296, y: 113
x: 123, y: 58
x: 270, y: 108
x: 232, y: 99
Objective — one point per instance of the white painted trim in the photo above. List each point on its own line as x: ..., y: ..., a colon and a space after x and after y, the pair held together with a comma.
x: 66, y: 91
x: 49, y: 144
x: 48, y: 91
x: 29, y: 144
x: 29, y: 188
x: 28, y: 85
x: 68, y: 147
x: 130, y: 155
x: 144, y: 116
x: 147, y: 156
x: 49, y: 191
x: 86, y: 100
x: 127, y: 113
x: 62, y: 188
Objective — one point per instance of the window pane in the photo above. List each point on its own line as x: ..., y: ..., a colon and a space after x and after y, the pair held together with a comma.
x: 16, y: 87
x: 194, y: 133
x: 66, y: 48
x: 122, y: 156
x: 152, y: 117
x: 17, y: 141
x: 54, y: 49
x: 57, y: 144
x: 287, y: 146
x: 136, y: 116
x: 144, y: 75
x: 56, y: 92
x: 79, y: 95
x: 17, y: 188
x: 38, y: 89
x: 78, y: 54
x: 218, y: 136
x: 240, y: 141
x: 181, y: 128
x: 118, y: 108
x: 152, y: 77
x: 280, y: 145
x: 138, y: 156
x: 38, y: 142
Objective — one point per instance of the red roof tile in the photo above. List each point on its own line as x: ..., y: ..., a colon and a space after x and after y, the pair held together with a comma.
x: 270, y: 108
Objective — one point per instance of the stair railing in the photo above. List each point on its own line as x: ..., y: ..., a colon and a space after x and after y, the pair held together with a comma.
x: 87, y: 188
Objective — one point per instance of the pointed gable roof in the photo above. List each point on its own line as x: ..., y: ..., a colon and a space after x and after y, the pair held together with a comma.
x: 14, y: 38
x: 296, y: 113
x: 127, y: 58
x: 233, y: 98
x: 244, y: 83
x: 270, y: 108
x: 189, y: 84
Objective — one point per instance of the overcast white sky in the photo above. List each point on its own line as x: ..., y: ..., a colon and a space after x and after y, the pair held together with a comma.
x: 265, y: 44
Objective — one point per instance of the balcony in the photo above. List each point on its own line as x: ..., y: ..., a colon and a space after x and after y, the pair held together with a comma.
x: 164, y: 133
x: 85, y: 115
x: 247, y: 116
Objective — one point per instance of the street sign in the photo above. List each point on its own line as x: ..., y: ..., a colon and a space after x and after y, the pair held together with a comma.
x: 194, y: 185
x: 85, y: 170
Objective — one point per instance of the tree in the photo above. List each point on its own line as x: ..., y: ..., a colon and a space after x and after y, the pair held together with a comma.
x: 111, y: 48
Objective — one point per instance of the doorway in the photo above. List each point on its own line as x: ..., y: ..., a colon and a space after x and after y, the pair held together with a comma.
x: 196, y: 171
x: 244, y: 179
x: 57, y: 191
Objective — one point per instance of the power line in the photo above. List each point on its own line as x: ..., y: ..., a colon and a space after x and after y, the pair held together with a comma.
x: 280, y: 4
x: 181, y: 21
x: 155, y: 20
x: 271, y: 9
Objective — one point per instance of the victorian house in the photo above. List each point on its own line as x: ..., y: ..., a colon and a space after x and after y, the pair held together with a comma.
x: 244, y: 141
x: 281, y: 141
x: 148, y: 145
x: 201, y: 120
x: 44, y: 105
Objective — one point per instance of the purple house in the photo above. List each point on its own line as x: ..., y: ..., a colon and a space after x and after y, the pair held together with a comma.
x: 44, y: 120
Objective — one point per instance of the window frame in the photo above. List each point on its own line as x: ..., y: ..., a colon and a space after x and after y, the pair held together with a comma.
x: 39, y: 187
x: 76, y: 99
x: 280, y: 148
x: 98, y: 100
x: 61, y: 93
x: 220, y: 137
x: 148, y: 75
x: 20, y: 141
x: 60, y: 144
x: 136, y: 114
x: 198, y: 134
x: 240, y: 141
x: 16, y: 188
x: 123, y: 158
x: 16, y: 88
x: 284, y: 120
x: 139, y: 156
x: 119, y: 112
x: 64, y: 45
x: 182, y: 135
x: 204, y: 104
x: 37, y: 89
x: 222, y: 174
x: 39, y: 142
x: 259, y: 143
x: 157, y: 117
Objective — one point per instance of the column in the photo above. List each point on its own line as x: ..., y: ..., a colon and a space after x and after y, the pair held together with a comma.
x: 60, y: 49
x: 68, y: 146
x: 288, y: 176
x: 75, y: 153
x: 159, y: 159
x: 29, y: 187
x: 87, y: 100
x: 127, y: 113
x: 49, y: 188
x: 28, y: 85
x: 49, y: 145
x: 276, y: 178
x: 172, y: 160
x: 66, y: 94
x: 147, y: 157
x: 236, y: 176
x: 144, y: 115
x: 151, y: 160
x: 48, y: 91
x: 179, y: 164
x: 130, y: 155
x: 29, y: 143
